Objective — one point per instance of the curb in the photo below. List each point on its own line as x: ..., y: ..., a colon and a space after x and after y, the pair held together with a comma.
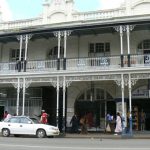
x: 98, y: 136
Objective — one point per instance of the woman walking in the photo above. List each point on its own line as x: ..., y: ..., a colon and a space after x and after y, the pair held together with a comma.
x: 118, y: 128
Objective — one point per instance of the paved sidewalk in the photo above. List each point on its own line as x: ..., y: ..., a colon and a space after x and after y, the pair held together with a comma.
x: 136, y: 135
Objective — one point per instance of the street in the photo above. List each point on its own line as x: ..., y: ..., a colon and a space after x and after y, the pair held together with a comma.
x: 26, y: 143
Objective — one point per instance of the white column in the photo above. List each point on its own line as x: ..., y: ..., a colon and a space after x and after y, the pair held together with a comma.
x: 21, y: 39
x: 18, y: 91
x: 123, y: 105
x: 23, y: 102
x: 26, y: 47
x: 65, y: 43
x: 128, y: 38
x: 130, y: 98
x: 59, y: 40
x: 121, y: 39
x: 122, y: 89
x: 57, y: 109
x: 64, y: 96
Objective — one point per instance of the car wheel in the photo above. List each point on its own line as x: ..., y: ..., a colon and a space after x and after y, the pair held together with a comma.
x: 40, y: 133
x: 5, y: 132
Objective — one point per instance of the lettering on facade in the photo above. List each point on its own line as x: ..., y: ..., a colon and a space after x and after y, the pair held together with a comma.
x: 147, y: 60
x: 141, y: 92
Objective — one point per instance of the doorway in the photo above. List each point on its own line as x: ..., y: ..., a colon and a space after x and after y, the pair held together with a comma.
x: 142, y: 105
x: 49, y: 103
x: 92, y: 110
x: 93, y: 103
x: 1, y: 112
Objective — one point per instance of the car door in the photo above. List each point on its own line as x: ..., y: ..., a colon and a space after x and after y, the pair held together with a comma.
x: 25, y: 126
x: 12, y: 124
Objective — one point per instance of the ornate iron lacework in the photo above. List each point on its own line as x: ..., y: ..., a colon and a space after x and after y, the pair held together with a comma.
x: 62, y: 33
x: 126, y: 80
x: 140, y: 76
x: 124, y: 28
x: 93, y: 78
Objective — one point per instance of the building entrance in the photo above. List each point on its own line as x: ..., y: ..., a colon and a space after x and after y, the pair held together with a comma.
x: 1, y: 112
x: 95, y: 112
x: 49, y: 103
x: 93, y: 104
x: 141, y: 105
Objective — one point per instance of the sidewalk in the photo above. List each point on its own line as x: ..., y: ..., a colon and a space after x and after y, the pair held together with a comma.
x: 136, y: 135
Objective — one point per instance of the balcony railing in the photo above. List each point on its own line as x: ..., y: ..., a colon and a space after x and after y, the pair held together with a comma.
x: 43, y: 65
x: 93, y: 63
x: 8, y: 67
x: 78, y: 64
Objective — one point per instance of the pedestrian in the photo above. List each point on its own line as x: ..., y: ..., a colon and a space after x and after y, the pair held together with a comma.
x: 143, y: 117
x: 108, y: 121
x: 83, y: 123
x: 118, y: 128
x: 90, y: 119
x: 75, y: 124
x: 6, y: 115
x: 44, y: 117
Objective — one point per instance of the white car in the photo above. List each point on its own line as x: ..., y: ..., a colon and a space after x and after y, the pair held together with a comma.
x: 23, y: 125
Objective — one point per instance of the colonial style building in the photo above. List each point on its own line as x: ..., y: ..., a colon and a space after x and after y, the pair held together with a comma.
x: 67, y: 62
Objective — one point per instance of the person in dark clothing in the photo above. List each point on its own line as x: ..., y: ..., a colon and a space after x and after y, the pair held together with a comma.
x: 75, y: 124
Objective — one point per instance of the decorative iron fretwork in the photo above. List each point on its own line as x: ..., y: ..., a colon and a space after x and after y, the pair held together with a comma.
x: 124, y: 28
x: 29, y: 36
x: 140, y: 76
x: 93, y: 78
x: 131, y: 27
x: 62, y: 33
x: 126, y: 79
x: 57, y: 33
x: 118, y: 82
x: 133, y: 81
x: 68, y: 83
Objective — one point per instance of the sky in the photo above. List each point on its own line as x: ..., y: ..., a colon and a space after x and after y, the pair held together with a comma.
x: 24, y: 9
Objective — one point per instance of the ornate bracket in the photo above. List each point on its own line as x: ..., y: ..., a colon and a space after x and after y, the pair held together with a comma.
x: 124, y: 28
x: 29, y: 36
x: 62, y: 33
x: 118, y: 82
x: 126, y: 80
x: 27, y: 83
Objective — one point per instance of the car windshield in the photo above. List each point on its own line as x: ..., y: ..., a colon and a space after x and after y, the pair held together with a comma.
x: 35, y: 120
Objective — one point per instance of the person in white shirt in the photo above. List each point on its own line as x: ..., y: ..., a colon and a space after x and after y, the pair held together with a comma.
x: 8, y: 116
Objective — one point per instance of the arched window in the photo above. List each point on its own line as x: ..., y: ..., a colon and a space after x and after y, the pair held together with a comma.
x: 53, y: 53
x: 144, y: 47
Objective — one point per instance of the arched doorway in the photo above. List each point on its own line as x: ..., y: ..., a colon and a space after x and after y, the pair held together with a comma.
x: 95, y: 103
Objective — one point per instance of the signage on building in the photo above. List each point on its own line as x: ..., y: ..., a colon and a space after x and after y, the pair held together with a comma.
x: 147, y: 60
x: 104, y: 61
x: 141, y: 92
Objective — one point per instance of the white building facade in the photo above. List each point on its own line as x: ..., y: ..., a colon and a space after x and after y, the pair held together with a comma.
x: 69, y: 62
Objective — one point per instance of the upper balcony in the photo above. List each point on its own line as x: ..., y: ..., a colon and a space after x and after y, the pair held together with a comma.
x: 98, y: 64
